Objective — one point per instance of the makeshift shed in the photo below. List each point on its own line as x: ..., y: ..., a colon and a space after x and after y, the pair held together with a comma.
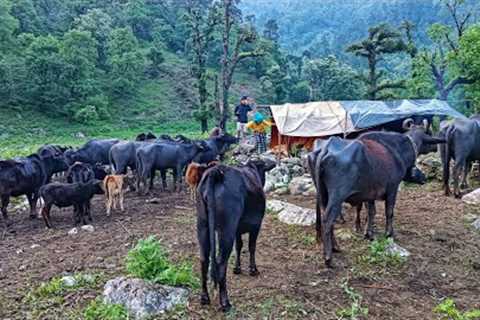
x: 303, y: 123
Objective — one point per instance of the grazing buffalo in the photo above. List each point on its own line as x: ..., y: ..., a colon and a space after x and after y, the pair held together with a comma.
x: 230, y: 202
x: 146, y: 137
x: 65, y: 195
x: 463, y: 146
x: 366, y: 169
x: 93, y: 152
x: 25, y: 176
x: 217, y: 145
x: 163, y: 156
x: 123, y: 156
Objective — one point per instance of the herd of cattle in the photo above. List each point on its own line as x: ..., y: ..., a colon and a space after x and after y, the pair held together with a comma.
x: 230, y: 200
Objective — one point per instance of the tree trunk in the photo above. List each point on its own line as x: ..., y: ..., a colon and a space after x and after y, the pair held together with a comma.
x: 204, y: 124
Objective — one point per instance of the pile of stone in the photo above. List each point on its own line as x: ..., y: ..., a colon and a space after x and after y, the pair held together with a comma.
x: 472, y: 208
x: 288, y: 177
x: 431, y: 166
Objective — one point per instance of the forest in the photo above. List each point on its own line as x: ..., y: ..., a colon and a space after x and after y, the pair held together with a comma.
x: 87, y: 61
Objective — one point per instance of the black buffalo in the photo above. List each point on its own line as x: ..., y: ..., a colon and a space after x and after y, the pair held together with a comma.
x: 123, y: 156
x: 463, y: 146
x: 366, y: 169
x: 146, y: 137
x: 64, y: 195
x: 93, y: 152
x: 163, y: 156
x: 230, y: 202
x: 25, y: 176
x: 217, y: 145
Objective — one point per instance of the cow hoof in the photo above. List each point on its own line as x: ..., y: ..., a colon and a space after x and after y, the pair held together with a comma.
x: 254, y: 272
x: 457, y: 196
x: 204, y: 299
x: 328, y: 263
x: 336, y: 249
x: 369, y: 236
x: 237, y: 270
x: 32, y: 216
x: 227, y: 307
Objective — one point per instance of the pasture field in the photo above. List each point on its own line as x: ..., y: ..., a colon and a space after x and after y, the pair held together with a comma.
x: 293, y: 281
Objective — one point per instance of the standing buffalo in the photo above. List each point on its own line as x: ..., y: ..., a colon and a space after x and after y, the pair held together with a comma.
x: 366, y: 169
x: 230, y: 202
x: 123, y: 156
x: 463, y: 145
x: 93, y: 152
x: 218, y: 145
x: 25, y: 176
x: 163, y: 156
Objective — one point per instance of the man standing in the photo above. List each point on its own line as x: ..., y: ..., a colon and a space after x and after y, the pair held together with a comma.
x: 241, y: 112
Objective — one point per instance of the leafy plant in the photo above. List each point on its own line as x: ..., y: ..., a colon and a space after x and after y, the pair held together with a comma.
x: 378, y: 253
x: 149, y: 261
x: 98, y: 310
x: 356, y: 310
x: 448, y: 310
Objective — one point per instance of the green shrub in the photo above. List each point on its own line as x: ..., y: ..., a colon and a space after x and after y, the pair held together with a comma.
x: 86, y: 115
x: 448, y: 310
x: 149, y: 261
x: 98, y: 310
x: 377, y: 253
x: 356, y: 310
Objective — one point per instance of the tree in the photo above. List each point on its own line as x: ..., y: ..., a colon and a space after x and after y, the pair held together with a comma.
x: 201, y: 18
x: 271, y: 31
x: 469, y: 55
x: 446, y: 73
x: 24, y: 11
x: 382, y: 40
x: 8, y: 25
x: 235, y: 37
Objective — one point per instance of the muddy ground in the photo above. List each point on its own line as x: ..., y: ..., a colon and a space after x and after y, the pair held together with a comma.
x: 293, y: 281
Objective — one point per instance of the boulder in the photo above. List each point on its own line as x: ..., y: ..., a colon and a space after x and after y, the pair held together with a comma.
x: 476, y: 224
x: 69, y: 281
x: 472, y: 202
x: 244, y: 148
x: 431, y: 165
x: 299, y: 185
x: 395, y: 249
x: 344, y: 234
x: 281, y: 191
x: 73, y: 231
x: 88, y: 228
x: 292, y: 214
x: 143, y: 299
x: 297, y: 171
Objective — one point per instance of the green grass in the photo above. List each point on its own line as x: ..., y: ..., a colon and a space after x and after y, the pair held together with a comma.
x: 378, y: 255
x: 98, y: 310
x: 149, y: 260
x: 355, y: 310
x: 448, y: 311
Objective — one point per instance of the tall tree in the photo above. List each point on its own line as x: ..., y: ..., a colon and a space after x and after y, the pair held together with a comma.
x: 382, y: 40
x: 442, y: 59
x: 235, y: 36
x: 201, y: 17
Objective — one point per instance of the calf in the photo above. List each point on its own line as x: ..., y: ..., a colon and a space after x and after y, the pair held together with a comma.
x: 194, y: 174
x: 66, y: 195
x: 231, y: 202
x: 366, y: 169
x: 114, y: 192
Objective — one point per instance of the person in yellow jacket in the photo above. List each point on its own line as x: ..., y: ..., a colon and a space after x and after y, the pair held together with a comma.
x: 259, y: 127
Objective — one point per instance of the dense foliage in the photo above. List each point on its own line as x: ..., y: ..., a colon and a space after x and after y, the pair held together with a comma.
x: 90, y: 61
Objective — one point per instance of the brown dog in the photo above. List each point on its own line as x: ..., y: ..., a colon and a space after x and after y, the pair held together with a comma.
x: 113, y: 187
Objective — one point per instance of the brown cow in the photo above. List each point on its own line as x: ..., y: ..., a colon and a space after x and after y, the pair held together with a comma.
x: 114, y: 192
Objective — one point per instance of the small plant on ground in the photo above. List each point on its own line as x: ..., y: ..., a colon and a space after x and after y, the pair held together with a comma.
x: 356, y: 310
x: 448, y: 311
x: 98, y: 310
x: 149, y: 261
x: 379, y: 255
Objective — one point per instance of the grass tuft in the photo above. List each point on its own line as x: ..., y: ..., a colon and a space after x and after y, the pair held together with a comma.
x: 98, y: 310
x: 448, y: 311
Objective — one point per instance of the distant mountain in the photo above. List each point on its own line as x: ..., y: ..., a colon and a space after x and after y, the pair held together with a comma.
x: 329, y: 26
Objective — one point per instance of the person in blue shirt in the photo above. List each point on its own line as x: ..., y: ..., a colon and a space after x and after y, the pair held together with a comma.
x: 241, y: 112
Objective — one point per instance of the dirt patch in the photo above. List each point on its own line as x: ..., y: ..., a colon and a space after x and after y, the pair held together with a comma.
x: 293, y: 282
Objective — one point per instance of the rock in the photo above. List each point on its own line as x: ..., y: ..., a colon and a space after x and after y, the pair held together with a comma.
x: 153, y: 200
x: 472, y: 202
x: 299, y: 185
x: 469, y: 218
x: 268, y: 157
x: 143, y: 299
x: 431, y: 165
x: 69, y: 281
x: 343, y: 234
x: 311, y: 192
x: 80, y: 135
x: 395, y: 249
x: 22, y: 268
x: 280, y: 185
x: 297, y: 171
x: 291, y: 162
x: 440, y: 236
x: 242, y: 158
x: 34, y: 246
x: 88, y: 228
x: 73, y: 231
x: 292, y: 214
x: 476, y: 224
x: 281, y: 191
x: 269, y: 186
x: 244, y: 148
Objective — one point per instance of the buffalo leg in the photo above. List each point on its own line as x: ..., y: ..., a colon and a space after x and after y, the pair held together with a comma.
x: 466, y: 171
x: 389, y: 209
x: 459, y: 167
x: 175, y: 180
x: 204, y: 241
x: 5, y: 201
x: 163, y: 174
x: 46, y: 214
x: 252, y: 246
x: 369, y: 234
x: 88, y: 210
x: 358, y: 223
x: 32, y: 203
x: 226, y: 246
x: 238, y: 249
x: 152, y: 180
x: 318, y: 220
x: 331, y: 214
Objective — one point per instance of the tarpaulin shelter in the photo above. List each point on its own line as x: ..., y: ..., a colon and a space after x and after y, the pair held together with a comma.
x: 303, y: 123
